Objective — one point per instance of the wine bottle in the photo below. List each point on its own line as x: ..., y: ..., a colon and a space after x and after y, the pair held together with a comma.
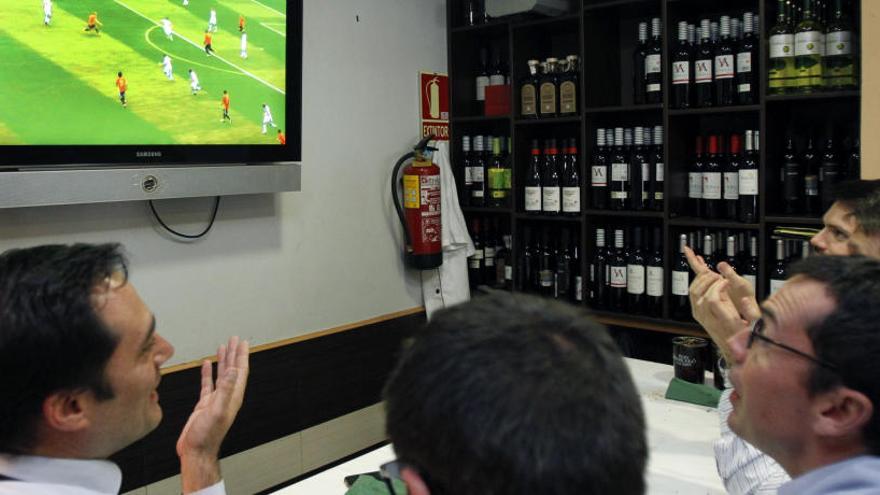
x: 839, y: 71
x: 482, y: 79
x: 478, y: 167
x: 748, y: 181
x: 681, y: 69
x: 467, y: 169
x: 571, y: 181
x: 617, y: 267
x: 779, y: 272
x: 499, y: 176
x: 731, y: 178
x: 635, y: 274
x: 657, y: 174
x: 809, y: 49
x: 709, y: 252
x: 655, y: 280
x: 528, y: 92
x: 750, y: 267
x: 792, y: 178
x: 599, y: 173
x: 681, y: 282
x: 549, y: 91
x: 546, y: 267
x: 695, y: 181
x: 712, y: 181
x: 810, y: 161
x: 747, y: 52
x: 498, y: 76
x: 639, y: 55
x: 490, y: 246
x: 619, y: 173
x: 730, y: 252
x: 533, y: 180
x: 577, y: 284
x: 550, y: 181
x: 854, y: 161
x: 568, y: 87
x: 475, y: 261
x: 829, y: 173
x: 781, y: 68
x: 725, y: 83
x: 472, y: 13
x: 504, y: 264
x: 703, y: 66
x: 599, y: 273
x: 654, y: 65
x: 562, y: 276
x: 639, y: 169
x: 528, y: 271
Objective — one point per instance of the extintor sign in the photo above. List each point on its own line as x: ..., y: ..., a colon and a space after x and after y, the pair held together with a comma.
x: 434, y: 91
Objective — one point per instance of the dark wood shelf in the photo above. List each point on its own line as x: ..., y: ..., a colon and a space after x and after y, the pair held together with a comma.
x: 715, y: 110
x: 478, y: 118
x: 486, y: 209
x: 561, y: 19
x: 663, y: 325
x: 792, y: 220
x: 822, y: 95
x: 547, y: 218
x: 625, y: 108
x: 713, y: 224
x: 550, y: 121
x: 624, y: 213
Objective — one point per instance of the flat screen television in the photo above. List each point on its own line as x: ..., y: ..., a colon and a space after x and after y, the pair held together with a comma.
x: 142, y: 82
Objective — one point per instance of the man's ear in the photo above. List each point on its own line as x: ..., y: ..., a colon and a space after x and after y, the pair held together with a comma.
x: 842, y: 412
x: 415, y: 485
x: 65, y: 410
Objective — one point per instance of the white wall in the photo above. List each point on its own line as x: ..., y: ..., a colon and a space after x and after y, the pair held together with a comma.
x: 278, y: 266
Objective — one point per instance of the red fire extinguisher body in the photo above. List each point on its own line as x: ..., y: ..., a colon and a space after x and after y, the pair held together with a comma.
x: 421, y: 204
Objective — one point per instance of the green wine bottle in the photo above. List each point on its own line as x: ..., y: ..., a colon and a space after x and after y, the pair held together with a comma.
x: 839, y: 70
x: 809, y: 48
x: 781, y: 77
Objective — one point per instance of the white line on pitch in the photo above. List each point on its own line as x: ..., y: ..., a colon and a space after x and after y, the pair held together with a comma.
x: 270, y: 8
x: 218, y: 57
x: 273, y: 30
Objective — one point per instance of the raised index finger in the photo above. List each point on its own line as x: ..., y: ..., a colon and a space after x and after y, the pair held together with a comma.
x: 695, y: 262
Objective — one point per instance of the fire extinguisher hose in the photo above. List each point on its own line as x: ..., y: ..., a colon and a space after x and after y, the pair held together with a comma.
x: 395, y: 180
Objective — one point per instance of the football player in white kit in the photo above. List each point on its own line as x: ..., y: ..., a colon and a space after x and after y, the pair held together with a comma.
x: 166, y: 27
x: 47, y: 12
x: 243, y: 45
x: 194, y: 82
x: 166, y: 67
x: 212, y: 21
x: 267, y: 118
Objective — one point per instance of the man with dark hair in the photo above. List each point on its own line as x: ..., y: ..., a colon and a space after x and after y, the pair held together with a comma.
x: 516, y: 395
x: 80, y: 357
x: 805, y: 377
x: 724, y: 303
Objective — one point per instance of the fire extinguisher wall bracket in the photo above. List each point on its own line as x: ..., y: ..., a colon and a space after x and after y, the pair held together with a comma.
x: 420, y: 213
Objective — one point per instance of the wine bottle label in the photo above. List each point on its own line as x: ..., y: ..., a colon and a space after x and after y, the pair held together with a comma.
x: 744, y: 88
x: 482, y: 82
x: 508, y: 272
x: 496, y: 80
x: 619, y: 194
x: 646, y: 178
x: 790, y: 178
x: 619, y: 172
x: 681, y: 72
x: 578, y: 288
x: 658, y: 195
x: 528, y: 100
x: 550, y: 198
x: 635, y: 279
x: 489, y: 256
x: 474, y: 263
x: 658, y: 169
x: 703, y: 71
x: 808, y: 43
x: 477, y: 193
x: 680, y: 283
x: 507, y: 178
x: 775, y: 285
x: 546, y: 278
x: 567, y: 97
x: 782, y: 46
x: 711, y: 185
x: 748, y: 182
x: 548, y: 98
x: 533, y: 198
x: 571, y: 199
x: 750, y: 279
x: 652, y: 88
x: 838, y: 43
x: 496, y: 181
x: 811, y: 185
x: 731, y: 185
x: 652, y: 64
x: 655, y: 281
x: 599, y: 175
x: 618, y: 277
x: 695, y: 185
x: 468, y: 176
x: 743, y: 62
x: 724, y: 67
x: 477, y: 174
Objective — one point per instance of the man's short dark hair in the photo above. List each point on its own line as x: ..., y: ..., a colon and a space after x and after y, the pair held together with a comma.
x: 51, y: 338
x: 513, y: 394
x: 862, y: 197
x: 849, y: 337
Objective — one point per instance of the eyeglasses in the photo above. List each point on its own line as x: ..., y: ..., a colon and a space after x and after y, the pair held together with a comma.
x: 758, y: 333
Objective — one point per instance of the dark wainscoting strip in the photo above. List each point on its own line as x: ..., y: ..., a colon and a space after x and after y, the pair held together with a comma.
x: 291, y: 388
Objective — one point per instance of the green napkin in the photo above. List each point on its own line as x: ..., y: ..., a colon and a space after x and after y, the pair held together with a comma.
x: 702, y: 395
x: 367, y: 485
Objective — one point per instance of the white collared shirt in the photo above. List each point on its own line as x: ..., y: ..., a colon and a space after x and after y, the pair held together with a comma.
x: 54, y: 476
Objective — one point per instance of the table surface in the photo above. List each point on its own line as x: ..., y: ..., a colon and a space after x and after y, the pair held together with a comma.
x: 680, y: 437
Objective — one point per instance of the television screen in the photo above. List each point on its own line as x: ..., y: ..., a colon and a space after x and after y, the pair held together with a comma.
x: 147, y: 80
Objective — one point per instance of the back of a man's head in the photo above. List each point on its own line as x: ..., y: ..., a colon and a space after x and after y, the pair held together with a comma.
x: 848, y: 337
x: 512, y: 394
x: 50, y: 336
x: 862, y: 198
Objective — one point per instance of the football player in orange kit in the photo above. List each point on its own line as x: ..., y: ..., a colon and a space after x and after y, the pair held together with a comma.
x: 121, y: 85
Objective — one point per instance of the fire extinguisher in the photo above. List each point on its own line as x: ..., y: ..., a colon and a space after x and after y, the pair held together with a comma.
x: 420, y: 212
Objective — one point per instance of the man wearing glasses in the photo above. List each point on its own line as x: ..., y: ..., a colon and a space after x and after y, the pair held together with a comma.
x: 805, y: 377
x: 724, y: 302
x: 512, y: 394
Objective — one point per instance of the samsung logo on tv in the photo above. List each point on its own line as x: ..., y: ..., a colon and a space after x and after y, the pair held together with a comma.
x: 148, y: 154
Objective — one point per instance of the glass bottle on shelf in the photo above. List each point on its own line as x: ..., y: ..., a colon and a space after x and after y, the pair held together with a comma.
x: 680, y: 304
x: 635, y: 274
x: 681, y: 69
x: 568, y: 87
x: 781, y: 69
x: 482, y: 79
x: 731, y: 178
x: 657, y: 173
x: 617, y: 270
x: 712, y: 180
x: 750, y: 267
x: 748, y: 180
x: 490, y: 247
x: 546, y: 268
x: 528, y: 92
x: 724, y: 69
x: 792, y: 178
x: 839, y: 72
x: 467, y: 169
x: 549, y: 90
x: 639, y: 54
x: 598, y: 290
x: 810, y: 161
x: 809, y: 48
x: 562, y: 275
x: 639, y: 170
x: 499, y: 176
x: 654, y: 276
x: 830, y: 173
x: 703, y: 67
x: 746, y: 56
x: 550, y: 181
x: 599, y: 173
x: 478, y: 191
x: 654, y: 65
x: 533, y: 181
x: 571, y: 181
x: 779, y: 272
x: 619, y: 187
x: 475, y: 261
x: 695, y: 180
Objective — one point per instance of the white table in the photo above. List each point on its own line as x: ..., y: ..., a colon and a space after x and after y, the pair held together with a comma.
x: 680, y: 439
